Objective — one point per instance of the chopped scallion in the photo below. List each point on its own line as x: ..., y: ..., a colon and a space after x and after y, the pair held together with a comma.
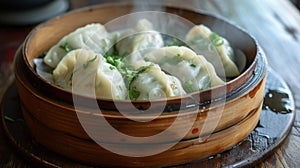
x: 133, y: 94
x: 66, y: 47
x: 193, y: 65
x: 85, y: 65
x: 111, y: 67
x: 216, y: 39
x: 189, y: 86
x: 9, y: 119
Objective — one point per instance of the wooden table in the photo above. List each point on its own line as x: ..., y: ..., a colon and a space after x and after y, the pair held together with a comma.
x: 275, y: 24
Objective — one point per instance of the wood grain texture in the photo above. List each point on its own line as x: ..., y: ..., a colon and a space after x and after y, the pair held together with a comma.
x: 252, y: 150
x: 276, y: 26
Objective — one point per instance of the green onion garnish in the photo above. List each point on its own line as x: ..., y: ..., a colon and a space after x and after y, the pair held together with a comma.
x: 85, y: 65
x: 216, y: 39
x: 176, y: 42
x: 66, y: 47
x: 189, y: 86
x: 9, y: 119
x: 133, y: 94
x: 111, y: 67
x: 193, y: 65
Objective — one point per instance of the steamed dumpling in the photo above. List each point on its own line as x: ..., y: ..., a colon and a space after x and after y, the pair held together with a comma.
x: 87, y: 73
x: 153, y: 83
x: 194, y: 71
x: 214, y: 48
x: 133, y: 43
x: 92, y: 37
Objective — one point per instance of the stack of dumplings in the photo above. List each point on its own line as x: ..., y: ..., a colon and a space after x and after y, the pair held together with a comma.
x: 138, y: 64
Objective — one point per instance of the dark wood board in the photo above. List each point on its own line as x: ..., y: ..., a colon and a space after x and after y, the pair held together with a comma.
x: 276, y: 120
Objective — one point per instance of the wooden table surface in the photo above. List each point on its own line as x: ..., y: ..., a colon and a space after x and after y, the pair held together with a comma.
x: 274, y: 23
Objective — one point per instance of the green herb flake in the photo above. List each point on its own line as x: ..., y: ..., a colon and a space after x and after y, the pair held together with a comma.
x: 72, y: 74
x: 216, y: 39
x: 66, y: 47
x: 131, y: 75
x: 112, y: 68
x: 85, y: 65
x: 193, y: 65
x: 114, y: 60
x: 133, y: 94
x: 9, y: 119
x: 109, y: 60
x: 143, y: 68
x: 176, y: 42
x: 128, y: 73
x: 189, y: 86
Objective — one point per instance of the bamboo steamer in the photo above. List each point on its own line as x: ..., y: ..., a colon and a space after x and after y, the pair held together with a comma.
x: 201, y: 130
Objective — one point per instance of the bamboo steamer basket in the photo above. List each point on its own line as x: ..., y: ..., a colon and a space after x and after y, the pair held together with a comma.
x: 54, y: 122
